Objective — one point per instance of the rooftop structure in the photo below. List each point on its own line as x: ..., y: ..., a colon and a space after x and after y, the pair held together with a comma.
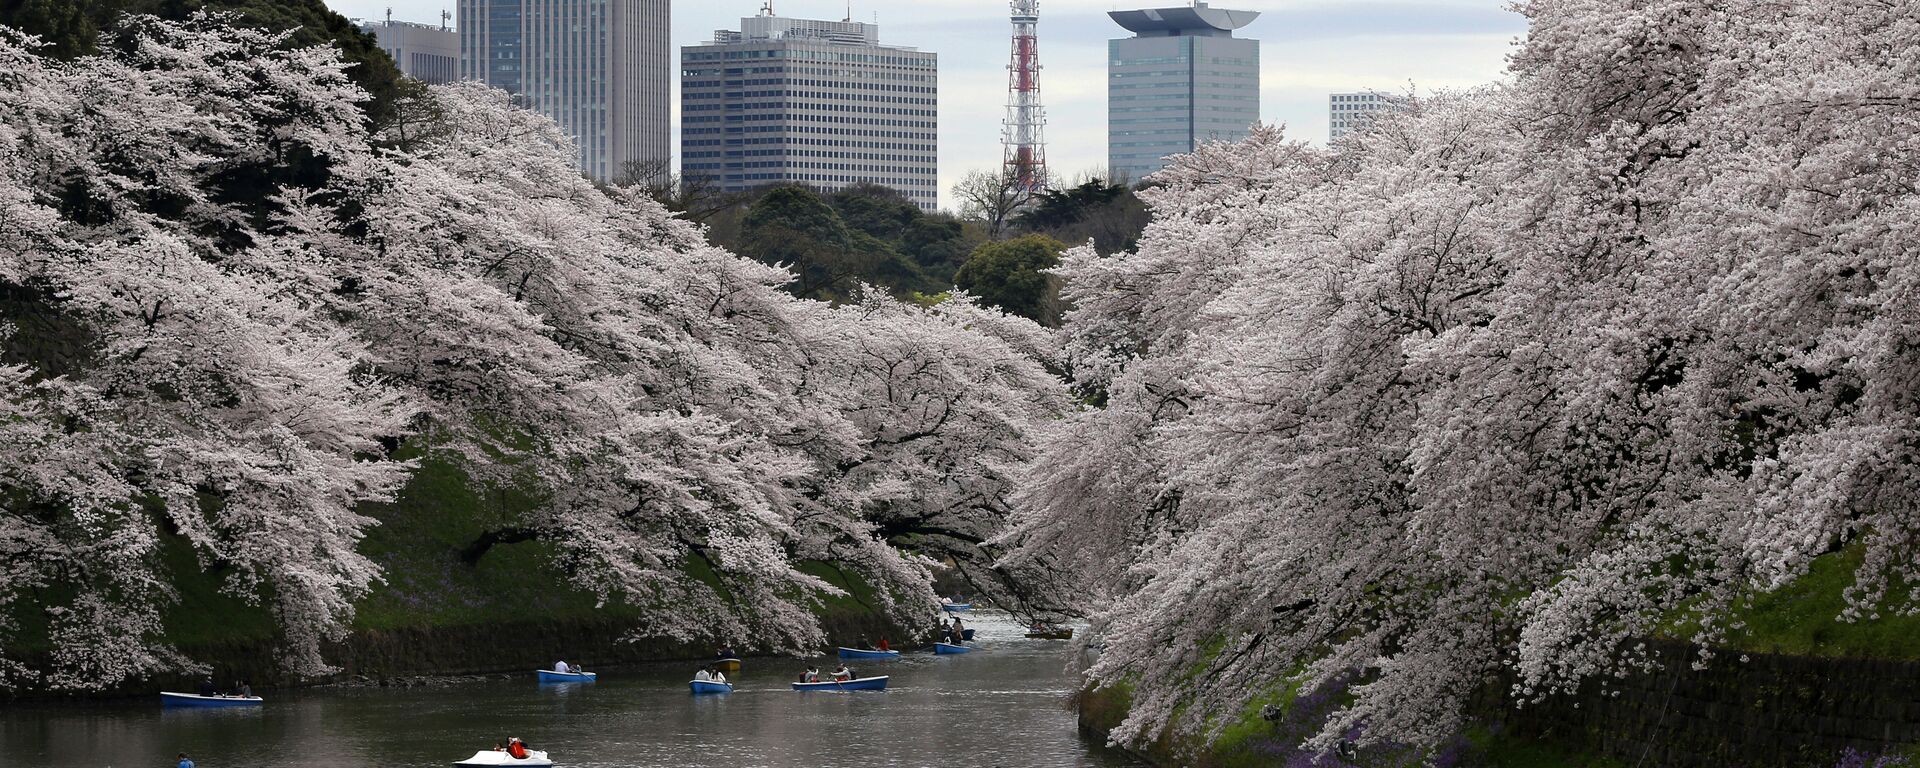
x: 426, y: 52
x: 1183, y: 79
x: 820, y: 103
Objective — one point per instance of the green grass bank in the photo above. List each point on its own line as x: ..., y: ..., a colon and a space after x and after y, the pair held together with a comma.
x: 436, y: 613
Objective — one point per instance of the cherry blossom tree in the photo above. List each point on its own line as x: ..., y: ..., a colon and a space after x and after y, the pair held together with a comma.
x: 1512, y: 380
x: 155, y: 386
x: 227, y: 303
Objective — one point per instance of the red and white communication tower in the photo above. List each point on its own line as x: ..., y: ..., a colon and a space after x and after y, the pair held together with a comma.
x: 1026, y: 150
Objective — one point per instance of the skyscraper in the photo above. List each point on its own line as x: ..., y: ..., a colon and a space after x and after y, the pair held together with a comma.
x: 426, y: 52
x: 1181, y: 80
x: 1349, y: 112
x: 821, y: 103
x: 600, y: 68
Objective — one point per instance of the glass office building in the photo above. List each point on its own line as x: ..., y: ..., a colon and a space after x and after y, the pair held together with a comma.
x: 1182, y: 80
x: 820, y: 103
x: 601, y: 68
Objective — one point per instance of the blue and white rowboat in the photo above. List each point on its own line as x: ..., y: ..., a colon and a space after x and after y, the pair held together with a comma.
x: 858, y: 653
x: 862, y: 684
x: 956, y: 607
x: 945, y: 648
x: 709, y: 686
x: 550, y: 676
x: 171, y: 699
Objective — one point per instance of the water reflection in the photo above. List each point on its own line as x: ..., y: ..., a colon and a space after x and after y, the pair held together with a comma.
x: 1003, y: 706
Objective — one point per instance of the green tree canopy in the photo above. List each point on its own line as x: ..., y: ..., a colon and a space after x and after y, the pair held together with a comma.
x: 1008, y: 274
x: 882, y: 212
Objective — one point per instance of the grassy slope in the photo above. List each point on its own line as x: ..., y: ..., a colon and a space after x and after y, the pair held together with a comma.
x: 1799, y: 619
x: 1803, y: 618
x: 418, y: 544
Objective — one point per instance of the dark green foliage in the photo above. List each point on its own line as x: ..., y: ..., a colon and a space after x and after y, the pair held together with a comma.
x: 73, y: 28
x: 1110, y: 215
x: 833, y: 243
x: 1058, y: 208
x: 63, y: 25
x: 876, y: 210
x: 937, y: 243
x: 40, y: 335
x: 1008, y: 275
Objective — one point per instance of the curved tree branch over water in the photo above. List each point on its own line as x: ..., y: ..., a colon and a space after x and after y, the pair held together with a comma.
x: 1506, y: 382
x: 244, y: 302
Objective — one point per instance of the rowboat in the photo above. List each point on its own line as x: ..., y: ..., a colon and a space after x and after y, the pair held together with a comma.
x: 727, y: 665
x: 861, y: 684
x: 1064, y: 633
x: 709, y: 686
x: 946, y: 648
x: 534, y: 759
x: 956, y: 607
x: 171, y: 699
x: 966, y: 634
x: 859, y: 653
x: 550, y: 676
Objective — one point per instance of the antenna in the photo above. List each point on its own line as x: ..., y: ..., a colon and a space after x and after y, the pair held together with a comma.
x: 389, y: 15
x: 1026, y: 150
x: 849, y: 16
x: 766, y: 9
x: 446, y: 18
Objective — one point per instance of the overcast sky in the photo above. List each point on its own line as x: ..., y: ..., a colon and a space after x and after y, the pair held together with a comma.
x: 1309, y: 48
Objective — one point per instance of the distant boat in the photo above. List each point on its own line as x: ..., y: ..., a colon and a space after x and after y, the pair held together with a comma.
x: 1063, y: 633
x: 709, y: 686
x: 728, y: 665
x: 947, y: 648
x: 550, y: 676
x: 956, y: 607
x: 966, y: 634
x: 858, y: 653
x: 861, y: 684
x: 534, y: 759
x: 171, y: 699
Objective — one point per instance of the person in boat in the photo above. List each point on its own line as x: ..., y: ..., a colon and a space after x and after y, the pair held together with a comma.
x: 883, y: 644
x: 865, y: 644
x: 562, y: 667
x: 206, y: 687
x: 701, y: 675
x: 842, y: 674
x: 725, y: 652
x: 243, y: 689
x: 957, y: 634
x: 517, y: 748
x: 812, y: 675
x: 718, y: 676
x: 574, y: 668
x: 184, y: 762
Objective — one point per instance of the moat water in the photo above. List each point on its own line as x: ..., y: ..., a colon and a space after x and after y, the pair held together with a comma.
x: 1003, y: 705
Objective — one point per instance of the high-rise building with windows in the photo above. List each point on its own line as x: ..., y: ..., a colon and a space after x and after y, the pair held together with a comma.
x: 1183, y: 79
x: 601, y: 68
x: 1349, y: 112
x: 820, y: 103
x: 426, y: 52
